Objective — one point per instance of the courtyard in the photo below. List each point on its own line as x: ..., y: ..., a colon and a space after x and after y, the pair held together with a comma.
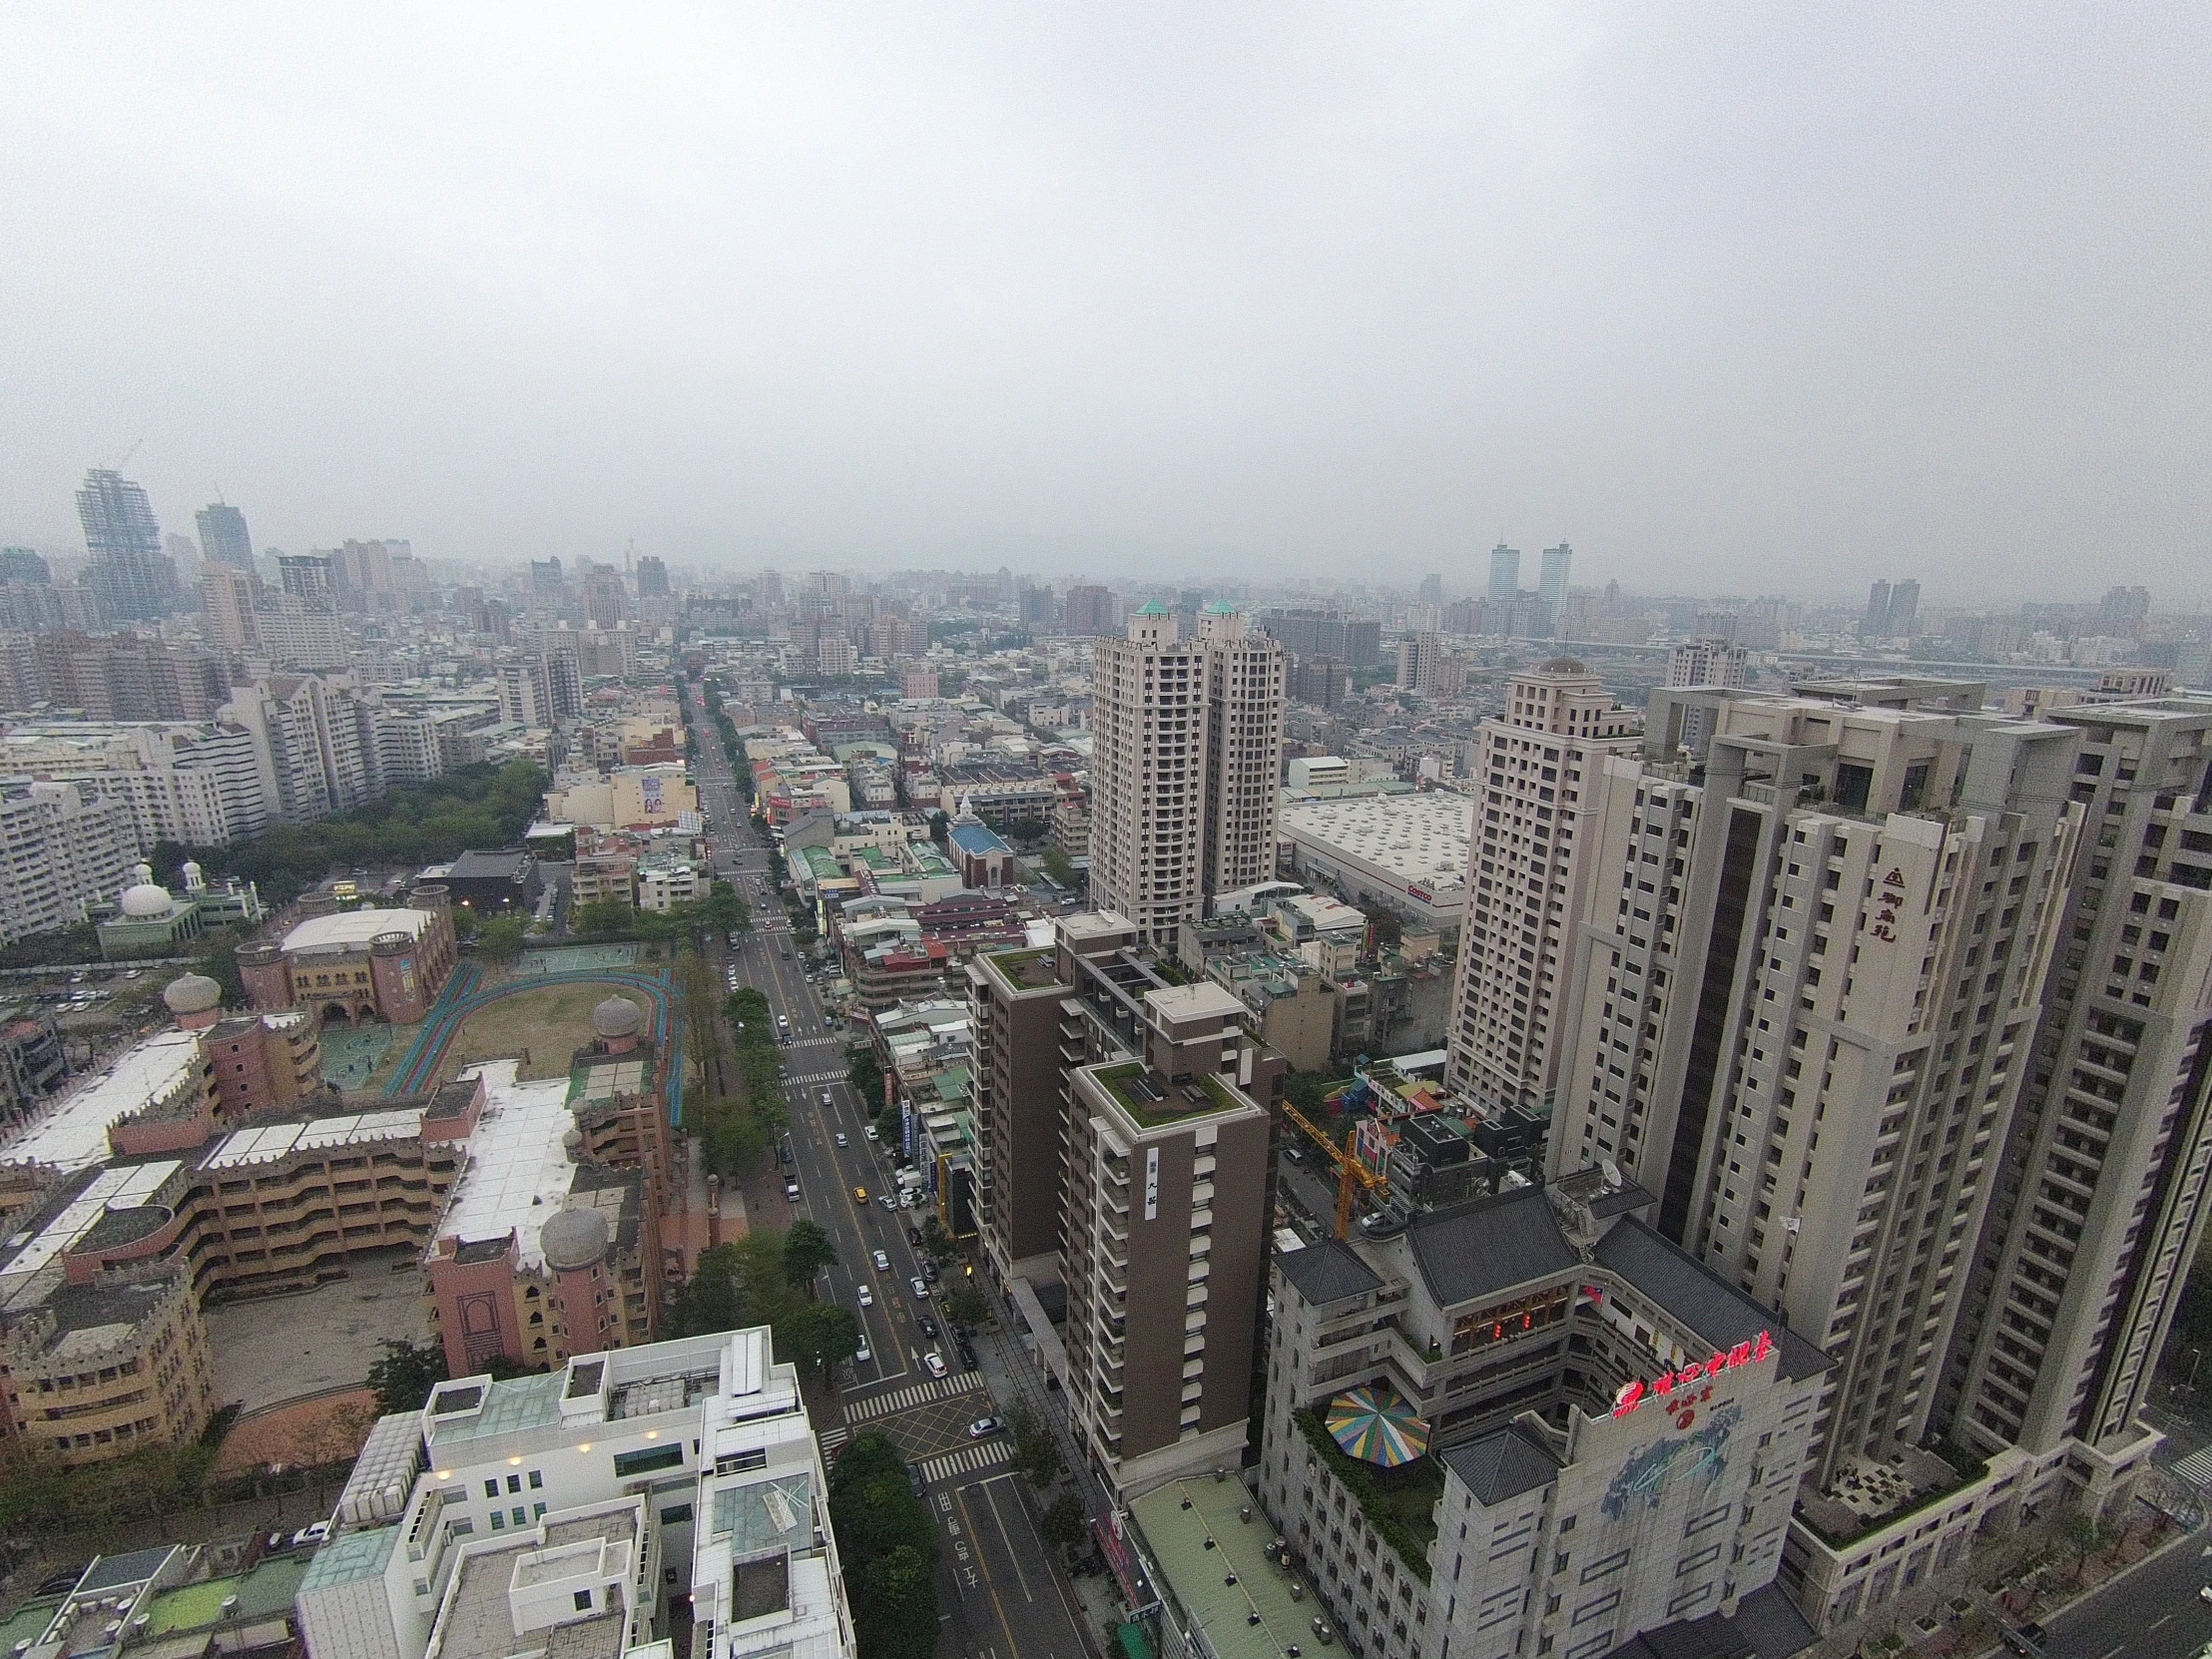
x: 543, y: 1028
x: 275, y: 1349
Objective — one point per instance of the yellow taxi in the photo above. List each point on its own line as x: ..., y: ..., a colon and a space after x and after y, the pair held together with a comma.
x: 860, y: 1195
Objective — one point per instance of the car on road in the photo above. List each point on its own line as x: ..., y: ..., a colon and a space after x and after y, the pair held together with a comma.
x: 928, y: 1329
x: 913, y: 1481
x: 929, y: 1272
x: 841, y: 1138
x: 914, y: 1234
x: 936, y: 1362
x: 868, y: 1129
x: 888, y: 1202
x: 883, y: 1261
x: 2025, y: 1640
x: 860, y: 1195
x: 920, y: 1287
x: 826, y: 1100
x: 967, y: 1353
x: 784, y: 1153
x: 867, y: 1297
x: 310, y: 1534
x: 983, y: 1426
x: 790, y: 1190
x: 861, y: 1354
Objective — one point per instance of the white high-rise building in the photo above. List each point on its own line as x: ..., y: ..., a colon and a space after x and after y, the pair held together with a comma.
x: 61, y: 848
x: 1799, y: 1018
x: 1185, y: 766
x: 228, y: 596
x: 1527, y: 868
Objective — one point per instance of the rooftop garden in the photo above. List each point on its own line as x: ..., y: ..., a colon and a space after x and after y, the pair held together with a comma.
x: 1400, y: 1503
x: 1135, y: 1091
x: 1028, y: 969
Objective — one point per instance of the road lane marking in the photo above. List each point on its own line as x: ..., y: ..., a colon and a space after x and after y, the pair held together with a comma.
x: 992, y: 1584
x: 1014, y: 1553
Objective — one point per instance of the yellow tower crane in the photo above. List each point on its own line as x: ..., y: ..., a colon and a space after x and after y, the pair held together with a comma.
x: 1349, y: 1171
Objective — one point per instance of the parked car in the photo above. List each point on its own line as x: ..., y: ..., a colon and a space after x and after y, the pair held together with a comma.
x: 929, y: 1270
x: 888, y: 1202
x: 914, y: 1234
x: 936, y: 1362
x: 310, y: 1534
x: 870, y: 1131
x: 791, y: 1191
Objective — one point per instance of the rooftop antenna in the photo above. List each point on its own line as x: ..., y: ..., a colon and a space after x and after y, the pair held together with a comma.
x: 219, y: 501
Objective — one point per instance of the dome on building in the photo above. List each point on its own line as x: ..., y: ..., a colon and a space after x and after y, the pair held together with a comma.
x: 618, y: 1016
x: 192, y: 993
x: 574, y: 1239
x: 146, y: 900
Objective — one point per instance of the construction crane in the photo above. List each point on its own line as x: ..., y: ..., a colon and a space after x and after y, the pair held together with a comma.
x: 1349, y: 1171
x: 127, y: 454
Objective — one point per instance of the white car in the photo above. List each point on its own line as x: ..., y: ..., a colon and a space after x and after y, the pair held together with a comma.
x: 826, y: 1097
x: 841, y: 1138
x: 860, y: 1353
x: 314, y: 1534
x: 883, y: 1261
x: 867, y: 1297
x: 934, y: 1361
x: 920, y: 1287
x: 868, y: 1129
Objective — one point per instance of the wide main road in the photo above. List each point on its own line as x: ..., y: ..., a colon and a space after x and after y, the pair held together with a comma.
x: 999, y: 1593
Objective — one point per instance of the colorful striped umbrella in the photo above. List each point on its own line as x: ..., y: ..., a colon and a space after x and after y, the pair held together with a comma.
x: 1377, y: 1425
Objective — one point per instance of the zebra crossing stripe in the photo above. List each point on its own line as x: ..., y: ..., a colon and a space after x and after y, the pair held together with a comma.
x: 967, y: 1460
x: 834, y: 1437
x: 905, y: 1400
x: 2197, y: 1471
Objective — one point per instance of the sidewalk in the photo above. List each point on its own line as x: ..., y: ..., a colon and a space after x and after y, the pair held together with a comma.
x: 1013, y: 1380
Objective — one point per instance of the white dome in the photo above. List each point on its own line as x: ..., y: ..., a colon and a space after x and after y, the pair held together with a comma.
x: 192, y: 993
x: 618, y: 1016
x: 574, y: 1239
x: 146, y: 899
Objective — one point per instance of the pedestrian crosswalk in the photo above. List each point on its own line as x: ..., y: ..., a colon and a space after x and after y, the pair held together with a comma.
x: 815, y: 1077
x: 2197, y: 1471
x: 968, y: 1460
x: 834, y: 1437
x: 904, y: 1400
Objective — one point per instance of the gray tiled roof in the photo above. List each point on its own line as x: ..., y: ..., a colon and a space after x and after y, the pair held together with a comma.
x: 1708, y: 1303
x: 1489, y: 1245
x: 1766, y: 1625
x: 1501, y: 1465
x: 1328, y: 1272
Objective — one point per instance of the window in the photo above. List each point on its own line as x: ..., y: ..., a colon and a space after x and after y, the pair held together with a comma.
x: 521, y: 1517
x: 514, y: 1482
x: 491, y: 1487
x: 628, y: 1463
x: 583, y: 1601
x: 537, y: 1479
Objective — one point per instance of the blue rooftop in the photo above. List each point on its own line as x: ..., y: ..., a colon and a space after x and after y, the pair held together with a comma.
x: 977, y: 839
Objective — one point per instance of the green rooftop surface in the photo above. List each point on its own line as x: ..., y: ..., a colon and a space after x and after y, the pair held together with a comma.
x: 1028, y: 968
x: 27, y: 1624
x: 1191, y: 1575
x: 263, y: 1593
x: 1153, y: 1114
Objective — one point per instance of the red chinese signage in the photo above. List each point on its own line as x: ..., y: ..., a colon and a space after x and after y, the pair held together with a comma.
x: 1634, y: 1393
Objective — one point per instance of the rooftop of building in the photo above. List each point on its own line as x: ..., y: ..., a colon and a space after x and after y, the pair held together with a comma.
x: 1328, y: 1272
x: 1766, y: 1625
x: 1417, y: 836
x: 1700, y: 1298
x: 73, y: 1132
x: 1026, y: 969
x: 1216, y: 1569
x: 977, y: 838
x: 1153, y: 1103
x: 67, y: 1213
x: 352, y: 930
x: 520, y: 1168
x: 271, y: 1140
x: 501, y: 864
x: 477, y: 1620
x: 1202, y: 999
x: 1487, y: 1246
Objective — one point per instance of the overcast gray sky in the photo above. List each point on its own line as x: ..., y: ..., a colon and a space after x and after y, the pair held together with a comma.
x: 1732, y: 298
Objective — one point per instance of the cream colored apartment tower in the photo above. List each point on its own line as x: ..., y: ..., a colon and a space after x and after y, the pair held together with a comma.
x: 1187, y: 738
x: 1802, y: 1011
x: 1535, y: 765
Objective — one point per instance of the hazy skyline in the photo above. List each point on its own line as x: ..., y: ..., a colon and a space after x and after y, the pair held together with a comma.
x: 1736, y: 300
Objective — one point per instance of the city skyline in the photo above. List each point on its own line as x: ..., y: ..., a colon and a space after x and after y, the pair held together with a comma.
x: 764, y: 287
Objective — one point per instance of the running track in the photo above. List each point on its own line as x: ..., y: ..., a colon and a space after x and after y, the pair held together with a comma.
x: 463, y: 998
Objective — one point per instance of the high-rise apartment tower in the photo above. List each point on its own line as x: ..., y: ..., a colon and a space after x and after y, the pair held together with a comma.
x: 128, y: 571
